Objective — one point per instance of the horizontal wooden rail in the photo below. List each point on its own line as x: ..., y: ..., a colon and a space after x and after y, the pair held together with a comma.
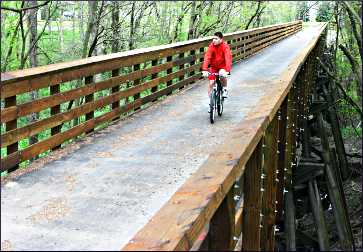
x: 115, y: 84
x: 254, y: 154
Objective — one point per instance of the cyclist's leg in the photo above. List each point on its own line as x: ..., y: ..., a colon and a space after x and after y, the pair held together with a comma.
x: 210, y: 86
x: 224, y: 82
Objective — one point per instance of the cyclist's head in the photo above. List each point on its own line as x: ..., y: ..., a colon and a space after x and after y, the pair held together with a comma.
x: 217, y: 39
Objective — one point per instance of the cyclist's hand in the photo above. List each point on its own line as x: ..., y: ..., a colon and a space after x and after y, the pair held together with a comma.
x: 205, y: 74
x: 223, y: 73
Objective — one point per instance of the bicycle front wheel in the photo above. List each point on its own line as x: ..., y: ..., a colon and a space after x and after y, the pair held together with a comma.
x: 212, y: 107
x: 220, y: 104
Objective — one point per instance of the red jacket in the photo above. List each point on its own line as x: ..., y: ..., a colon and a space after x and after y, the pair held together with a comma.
x: 218, y: 57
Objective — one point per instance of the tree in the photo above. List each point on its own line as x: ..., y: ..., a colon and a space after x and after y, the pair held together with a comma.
x: 32, y: 22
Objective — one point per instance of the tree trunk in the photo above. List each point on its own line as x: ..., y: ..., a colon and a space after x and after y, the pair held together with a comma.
x: 32, y: 22
x: 193, y: 18
x: 60, y: 27
x: 92, y: 8
x: 115, y: 28
x: 132, y: 26
x: 81, y: 22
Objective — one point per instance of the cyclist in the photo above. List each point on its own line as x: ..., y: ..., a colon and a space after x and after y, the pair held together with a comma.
x: 219, y: 57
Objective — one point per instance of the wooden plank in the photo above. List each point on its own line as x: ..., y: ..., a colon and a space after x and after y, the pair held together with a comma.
x: 252, y: 201
x: 270, y: 184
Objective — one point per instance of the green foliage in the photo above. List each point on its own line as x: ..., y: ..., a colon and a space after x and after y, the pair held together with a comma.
x: 325, y: 11
x: 302, y: 11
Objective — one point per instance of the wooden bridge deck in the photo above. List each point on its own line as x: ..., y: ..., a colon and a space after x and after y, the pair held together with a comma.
x: 110, y: 184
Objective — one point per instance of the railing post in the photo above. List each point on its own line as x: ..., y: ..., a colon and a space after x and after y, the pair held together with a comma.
x: 55, y: 110
x: 11, y: 101
x: 270, y: 183
x: 192, y: 63
x: 221, y: 227
x: 169, y: 71
x: 136, y: 82
x: 89, y: 98
x: 252, y: 201
x: 181, y: 56
x: 154, y: 76
x: 115, y: 89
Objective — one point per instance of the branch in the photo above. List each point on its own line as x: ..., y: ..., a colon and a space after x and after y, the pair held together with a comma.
x: 254, y: 15
x: 24, y: 9
x: 357, y: 35
x: 40, y: 34
x: 352, y: 11
x: 308, y: 9
x: 355, y: 66
x: 346, y: 96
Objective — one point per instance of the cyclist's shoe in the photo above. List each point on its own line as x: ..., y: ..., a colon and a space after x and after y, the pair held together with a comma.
x: 225, y: 93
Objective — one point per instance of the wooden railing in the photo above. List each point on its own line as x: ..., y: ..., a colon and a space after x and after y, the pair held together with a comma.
x: 237, y: 194
x: 114, y: 84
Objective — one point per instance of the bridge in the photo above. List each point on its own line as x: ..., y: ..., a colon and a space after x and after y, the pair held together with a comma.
x: 145, y: 170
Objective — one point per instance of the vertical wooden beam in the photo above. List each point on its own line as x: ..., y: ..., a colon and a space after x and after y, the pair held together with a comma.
x: 136, y: 82
x: 55, y: 110
x: 181, y: 55
x: 318, y: 214
x: 11, y: 101
x: 335, y: 196
x: 221, y: 229
x: 154, y: 76
x: 290, y: 229
x: 252, y: 201
x: 169, y: 71
x: 115, y: 89
x: 289, y: 212
x: 192, y: 63
x: 270, y: 186
x: 281, y: 159
x: 89, y: 98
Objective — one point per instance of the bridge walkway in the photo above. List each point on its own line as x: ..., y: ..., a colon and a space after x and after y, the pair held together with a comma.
x: 96, y: 193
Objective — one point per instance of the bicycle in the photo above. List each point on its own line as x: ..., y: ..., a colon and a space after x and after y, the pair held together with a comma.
x: 216, y: 98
